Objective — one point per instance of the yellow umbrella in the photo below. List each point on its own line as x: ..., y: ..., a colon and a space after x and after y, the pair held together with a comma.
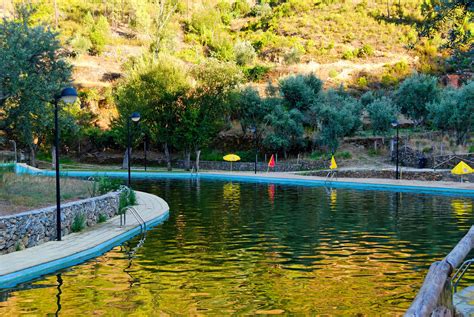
x: 462, y: 169
x: 231, y: 158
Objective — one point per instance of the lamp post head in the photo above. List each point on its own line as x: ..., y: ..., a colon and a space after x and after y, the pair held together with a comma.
x: 68, y: 95
x: 394, y: 123
x: 252, y: 129
x: 135, y: 117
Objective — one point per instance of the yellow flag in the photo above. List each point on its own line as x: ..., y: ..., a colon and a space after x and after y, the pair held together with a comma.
x: 462, y: 169
x: 333, y: 163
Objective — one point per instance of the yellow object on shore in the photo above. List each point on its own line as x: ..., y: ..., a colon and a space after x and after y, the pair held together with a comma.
x: 333, y: 163
x: 231, y: 158
x: 462, y: 169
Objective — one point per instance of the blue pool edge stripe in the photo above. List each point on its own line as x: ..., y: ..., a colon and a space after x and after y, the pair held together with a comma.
x: 446, y: 191
x: 12, y: 279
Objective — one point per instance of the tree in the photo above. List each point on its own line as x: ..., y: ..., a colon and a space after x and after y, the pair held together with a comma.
x: 207, y: 107
x: 414, y: 94
x: 155, y: 88
x: 300, y: 91
x: 34, y: 70
x: 382, y: 112
x: 334, y: 115
x: 453, y: 19
x: 455, y: 111
x: 286, y: 129
x: 99, y: 34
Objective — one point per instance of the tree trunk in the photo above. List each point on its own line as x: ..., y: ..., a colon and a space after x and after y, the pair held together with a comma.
x: 32, y: 155
x: 125, y: 159
x: 198, y: 155
x: 168, y: 157
x: 187, y: 159
x: 56, y: 14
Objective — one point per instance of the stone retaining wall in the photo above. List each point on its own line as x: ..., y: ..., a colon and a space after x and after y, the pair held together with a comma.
x: 35, y: 227
x: 409, y: 175
x: 261, y: 167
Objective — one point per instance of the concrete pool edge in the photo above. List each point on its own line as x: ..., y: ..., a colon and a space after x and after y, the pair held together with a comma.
x: 29, y: 273
x: 424, y: 187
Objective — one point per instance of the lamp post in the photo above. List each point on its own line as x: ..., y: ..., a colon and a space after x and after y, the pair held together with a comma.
x: 135, y: 117
x: 68, y: 96
x: 396, y: 125
x: 253, y: 129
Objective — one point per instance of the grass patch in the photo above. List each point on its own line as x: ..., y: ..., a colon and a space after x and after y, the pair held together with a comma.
x: 79, y: 223
x: 23, y: 192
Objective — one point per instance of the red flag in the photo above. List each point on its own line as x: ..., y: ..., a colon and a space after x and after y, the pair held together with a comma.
x: 271, y: 163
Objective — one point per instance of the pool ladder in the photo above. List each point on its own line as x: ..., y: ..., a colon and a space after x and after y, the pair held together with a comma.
x: 136, y: 214
x: 460, y: 273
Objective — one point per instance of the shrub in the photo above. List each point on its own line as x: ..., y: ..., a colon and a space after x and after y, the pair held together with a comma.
x: 126, y: 199
x: 293, y: 56
x: 261, y: 10
x: 241, y: 7
x: 382, y: 112
x: 79, y: 222
x: 348, y: 55
x: 81, y: 44
x: 244, y: 53
x: 256, y: 73
x: 333, y: 73
x: 102, y: 218
x: 107, y: 184
x: 99, y: 35
x: 365, y: 51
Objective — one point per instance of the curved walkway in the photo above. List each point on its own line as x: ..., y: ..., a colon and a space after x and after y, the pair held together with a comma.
x: 22, y: 266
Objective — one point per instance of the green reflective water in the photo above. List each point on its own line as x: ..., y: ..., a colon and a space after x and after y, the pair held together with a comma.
x: 241, y: 248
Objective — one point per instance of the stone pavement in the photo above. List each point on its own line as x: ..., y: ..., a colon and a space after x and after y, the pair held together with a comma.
x: 464, y: 301
x: 380, y: 181
x: 75, y: 248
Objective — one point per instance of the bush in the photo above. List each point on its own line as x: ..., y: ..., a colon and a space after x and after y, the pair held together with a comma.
x: 81, y: 44
x: 102, y: 218
x: 293, y: 56
x: 382, y: 112
x: 365, y: 51
x: 79, y: 222
x: 126, y: 199
x: 333, y: 73
x: 256, y: 73
x: 99, y: 35
x: 107, y: 184
x: 244, y: 53
x: 241, y: 7
x: 348, y: 55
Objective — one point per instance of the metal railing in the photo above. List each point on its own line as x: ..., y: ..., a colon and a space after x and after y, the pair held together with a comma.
x: 136, y: 215
x: 460, y: 273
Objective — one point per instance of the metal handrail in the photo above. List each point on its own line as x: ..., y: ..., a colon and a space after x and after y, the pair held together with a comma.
x: 458, y: 275
x: 137, y: 216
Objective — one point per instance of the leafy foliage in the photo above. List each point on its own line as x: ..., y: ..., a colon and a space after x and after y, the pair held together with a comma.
x: 415, y: 93
x: 382, y: 112
x: 455, y: 111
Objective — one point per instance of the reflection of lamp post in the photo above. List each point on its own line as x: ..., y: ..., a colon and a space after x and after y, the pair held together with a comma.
x: 69, y: 96
x: 396, y: 125
x: 135, y: 117
x: 253, y: 129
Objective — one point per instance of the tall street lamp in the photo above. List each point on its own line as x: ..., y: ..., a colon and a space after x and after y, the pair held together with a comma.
x: 68, y: 96
x: 253, y: 129
x: 396, y: 125
x: 135, y: 117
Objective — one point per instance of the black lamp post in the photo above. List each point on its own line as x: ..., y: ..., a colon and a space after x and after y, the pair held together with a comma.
x: 135, y: 117
x: 396, y: 125
x: 68, y: 96
x: 253, y: 129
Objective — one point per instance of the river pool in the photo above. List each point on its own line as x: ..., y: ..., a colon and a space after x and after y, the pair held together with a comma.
x: 244, y: 248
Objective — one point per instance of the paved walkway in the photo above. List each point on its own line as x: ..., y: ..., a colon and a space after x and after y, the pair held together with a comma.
x: 75, y: 248
x: 464, y: 301
x: 380, y: 181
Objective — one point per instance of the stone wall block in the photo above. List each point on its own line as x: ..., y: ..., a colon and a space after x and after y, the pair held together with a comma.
x: 35, y: 227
